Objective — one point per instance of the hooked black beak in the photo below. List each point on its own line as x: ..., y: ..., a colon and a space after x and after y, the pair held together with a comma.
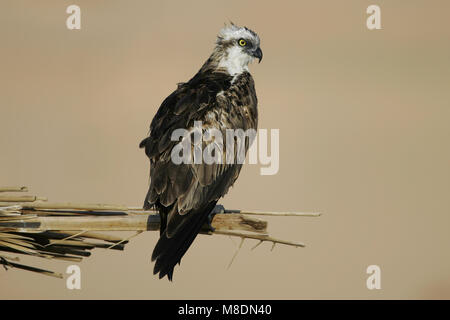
x: 258, y: 54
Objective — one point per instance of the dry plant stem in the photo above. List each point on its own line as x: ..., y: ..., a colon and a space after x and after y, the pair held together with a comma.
x: 97, y: 236
x: 125, y: 239
x: 131, y: 222
x: 13, y: 189
x: 7, y: 263
x: 59, y: 231
x: 236, y: 253
x: 261, y: 237
x: 65, y: 239
x: 4, y: 198
x: 261, y: 213
x: 278, y: 214
x: 72, y: 206
x: 9, y: 258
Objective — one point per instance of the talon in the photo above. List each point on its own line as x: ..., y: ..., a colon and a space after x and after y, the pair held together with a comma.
x: 218, y: 209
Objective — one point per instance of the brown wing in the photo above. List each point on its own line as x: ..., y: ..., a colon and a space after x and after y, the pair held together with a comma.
x: 186, y: 193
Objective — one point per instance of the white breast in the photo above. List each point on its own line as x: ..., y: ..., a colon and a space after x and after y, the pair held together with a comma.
x: 235, y: 61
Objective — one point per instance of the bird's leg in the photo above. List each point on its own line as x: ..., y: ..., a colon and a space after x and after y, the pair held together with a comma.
x: 217, y: 209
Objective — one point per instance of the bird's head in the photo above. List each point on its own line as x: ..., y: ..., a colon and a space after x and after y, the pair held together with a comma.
x: 236, y: 47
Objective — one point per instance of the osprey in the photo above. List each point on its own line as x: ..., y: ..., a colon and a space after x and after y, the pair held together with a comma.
x: 221, y: 96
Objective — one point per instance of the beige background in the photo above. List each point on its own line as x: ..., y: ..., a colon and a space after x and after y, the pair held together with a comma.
x: 364, y: 138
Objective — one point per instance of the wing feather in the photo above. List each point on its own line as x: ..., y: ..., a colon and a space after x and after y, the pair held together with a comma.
x: 185, y: 193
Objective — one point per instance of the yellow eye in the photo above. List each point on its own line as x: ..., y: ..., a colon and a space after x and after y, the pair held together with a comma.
x: 242, y: 43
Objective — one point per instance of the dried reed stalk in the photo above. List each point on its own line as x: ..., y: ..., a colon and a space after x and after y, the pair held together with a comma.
x: 67, y: 231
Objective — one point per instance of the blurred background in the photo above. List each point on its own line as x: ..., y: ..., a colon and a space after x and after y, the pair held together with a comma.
x: 364, y: 138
